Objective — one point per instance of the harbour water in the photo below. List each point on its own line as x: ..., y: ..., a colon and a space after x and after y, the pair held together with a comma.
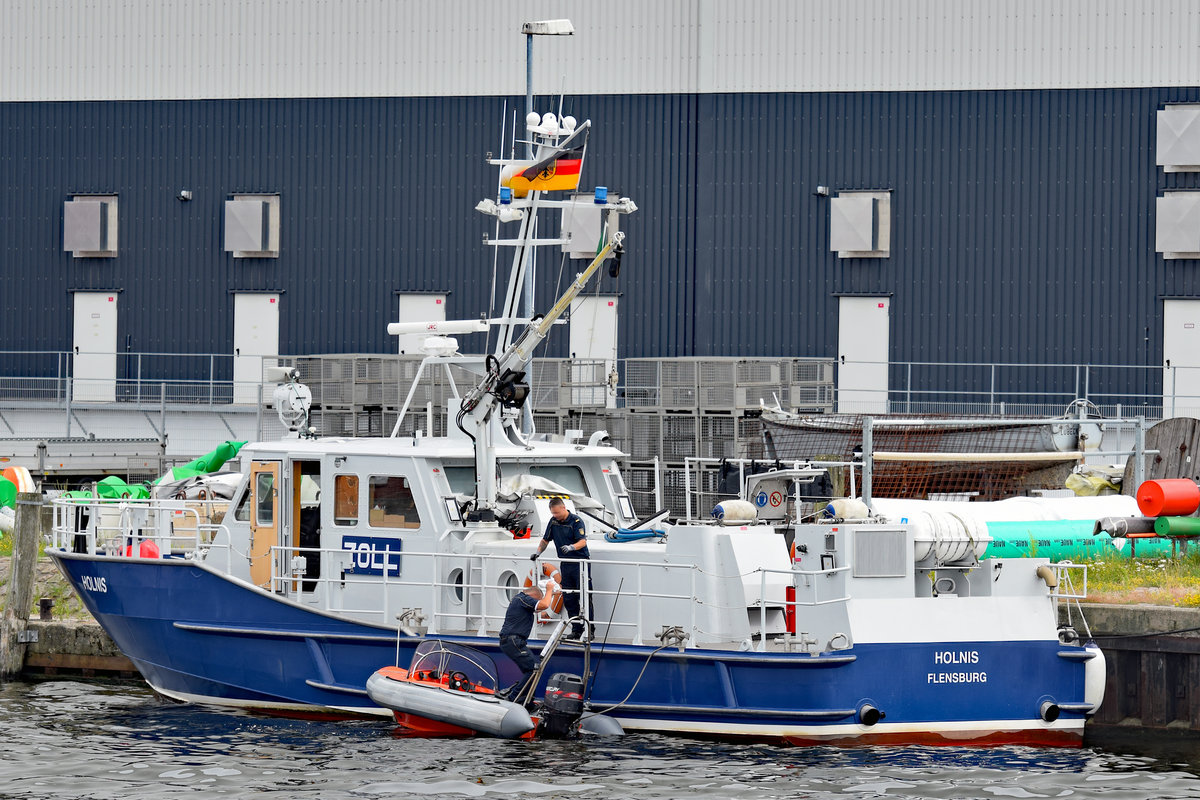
x: 67, y: 738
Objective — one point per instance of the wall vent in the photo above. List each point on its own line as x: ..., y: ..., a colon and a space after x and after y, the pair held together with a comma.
x: 1178, y: 138
x: 860, y: 224
x: 880, y: 554
x: 252, y: 226
x: 1177, y: 225
x: 90, y: 226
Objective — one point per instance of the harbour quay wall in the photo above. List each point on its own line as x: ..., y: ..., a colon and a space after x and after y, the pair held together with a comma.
x: 74, y: 647
x: 1152, y: 657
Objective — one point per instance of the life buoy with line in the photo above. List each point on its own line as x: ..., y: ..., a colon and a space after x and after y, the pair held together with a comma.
x: 550, y: 573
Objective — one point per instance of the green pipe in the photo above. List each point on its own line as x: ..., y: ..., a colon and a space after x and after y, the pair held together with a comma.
x: 1066, y: 540
x: 1177, y: 526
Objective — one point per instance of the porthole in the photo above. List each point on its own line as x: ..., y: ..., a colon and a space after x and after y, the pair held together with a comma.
x: 456, y: 579
x: 511, y: 584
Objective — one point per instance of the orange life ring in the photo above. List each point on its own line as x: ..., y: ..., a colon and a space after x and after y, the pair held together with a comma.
x: 549, y: 571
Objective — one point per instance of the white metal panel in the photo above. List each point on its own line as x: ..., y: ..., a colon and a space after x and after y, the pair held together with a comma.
x: 1177, y: 224
x: 1181, y: 358
x: 255, y: 336
x: 245, y: 225
x: 864, y: 331
x: 95, y: 346
x: 594, y: 338
x: 414, y: 307
x: 149, y: 49
x: 83, y: 222
x: 852, y: 223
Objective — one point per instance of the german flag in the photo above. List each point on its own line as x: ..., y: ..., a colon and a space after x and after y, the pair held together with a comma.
x: 556, y: 172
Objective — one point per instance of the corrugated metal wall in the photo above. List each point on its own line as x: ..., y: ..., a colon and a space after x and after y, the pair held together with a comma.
x: 1022, y: 224
x: 203, y: 49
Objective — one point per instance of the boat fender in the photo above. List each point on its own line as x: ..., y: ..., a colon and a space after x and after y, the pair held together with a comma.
x: 1095, y: 675
x: 734, y: 512
x: 847, y: 508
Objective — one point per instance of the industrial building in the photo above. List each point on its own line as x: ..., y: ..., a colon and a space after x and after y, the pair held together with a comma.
x: 927, y: 193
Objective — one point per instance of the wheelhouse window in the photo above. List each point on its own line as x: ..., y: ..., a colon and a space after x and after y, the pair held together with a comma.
x: 345, y: 499
x: 391, y: 501
x: 462, y: 479
x: 568, y: 477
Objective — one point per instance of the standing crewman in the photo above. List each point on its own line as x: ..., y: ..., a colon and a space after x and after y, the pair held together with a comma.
x: 570, y: 541
x: 514, y: 633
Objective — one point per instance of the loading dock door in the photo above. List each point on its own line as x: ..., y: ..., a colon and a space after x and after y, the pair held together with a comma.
x: 255, y: 337
x: 1181, y: 358
x: 594, y: 340
x: 864, y: 329
x: 95, y: 347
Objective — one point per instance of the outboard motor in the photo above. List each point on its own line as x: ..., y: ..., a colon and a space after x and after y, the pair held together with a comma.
x: 562, y: 706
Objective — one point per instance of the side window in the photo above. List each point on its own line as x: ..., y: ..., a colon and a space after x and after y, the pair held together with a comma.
x: 391, y: 502
x: 264, y: 490
x: 345, y: 499
x: 241, y: 512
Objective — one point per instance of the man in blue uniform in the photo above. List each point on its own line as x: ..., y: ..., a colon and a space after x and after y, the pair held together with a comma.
x: 570, y: 541
x: 514, y: 633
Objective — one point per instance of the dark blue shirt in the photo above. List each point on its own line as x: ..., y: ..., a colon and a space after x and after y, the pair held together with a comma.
x: 518, y: 620
x: 565, y: 533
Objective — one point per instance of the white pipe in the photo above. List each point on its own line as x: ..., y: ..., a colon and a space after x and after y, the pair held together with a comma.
x: 903, y: 456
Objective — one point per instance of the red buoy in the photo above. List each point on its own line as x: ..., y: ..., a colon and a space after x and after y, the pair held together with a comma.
x: 1174, y: 497
x: 146, y: 549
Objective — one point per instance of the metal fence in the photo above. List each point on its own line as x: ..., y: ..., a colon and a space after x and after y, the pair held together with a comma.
x: 662, y: 386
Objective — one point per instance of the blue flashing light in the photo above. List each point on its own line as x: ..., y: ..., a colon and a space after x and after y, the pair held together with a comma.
x: 601, y: 195
x: 505, y: 195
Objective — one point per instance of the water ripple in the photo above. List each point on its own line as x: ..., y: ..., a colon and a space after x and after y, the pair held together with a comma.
x: 96, y: 740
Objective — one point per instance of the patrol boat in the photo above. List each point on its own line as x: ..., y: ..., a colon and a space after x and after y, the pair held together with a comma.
x: 339, y: 555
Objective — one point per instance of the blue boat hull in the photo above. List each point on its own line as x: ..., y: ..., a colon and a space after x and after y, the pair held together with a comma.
x: 197, y: 635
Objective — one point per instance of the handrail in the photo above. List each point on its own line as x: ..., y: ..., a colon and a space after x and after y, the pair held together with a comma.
x: 181, y: 531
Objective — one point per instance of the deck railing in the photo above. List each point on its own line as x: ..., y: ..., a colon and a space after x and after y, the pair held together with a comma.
x: 184, y: 529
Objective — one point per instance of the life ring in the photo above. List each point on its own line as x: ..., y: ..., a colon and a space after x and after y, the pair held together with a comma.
x: 550, y: 573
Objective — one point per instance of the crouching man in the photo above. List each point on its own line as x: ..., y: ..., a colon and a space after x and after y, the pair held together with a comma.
x: 514, y: 634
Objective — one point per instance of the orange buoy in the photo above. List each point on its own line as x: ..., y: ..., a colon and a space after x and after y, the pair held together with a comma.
x: 21, y: 479
x: 1174, y: 497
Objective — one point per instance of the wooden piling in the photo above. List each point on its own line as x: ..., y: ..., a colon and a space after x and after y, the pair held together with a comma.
x: 18, y: 602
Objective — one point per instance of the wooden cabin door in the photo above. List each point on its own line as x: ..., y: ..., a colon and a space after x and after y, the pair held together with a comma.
x: 264, y: 520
